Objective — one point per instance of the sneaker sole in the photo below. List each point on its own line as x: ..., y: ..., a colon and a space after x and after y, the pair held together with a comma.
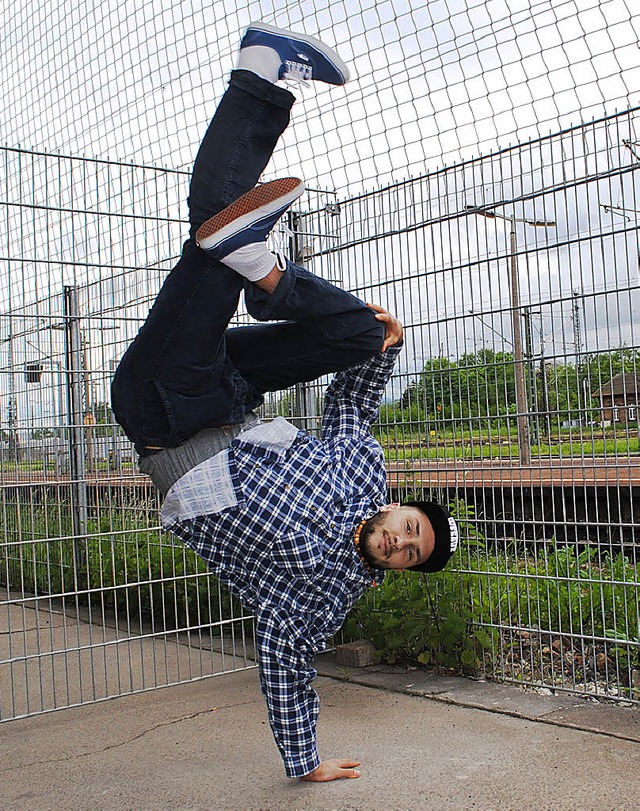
x: 262, y: 201
x: 319, y: 46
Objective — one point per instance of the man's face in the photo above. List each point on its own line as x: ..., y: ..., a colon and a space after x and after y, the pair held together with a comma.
x: 397, y: 537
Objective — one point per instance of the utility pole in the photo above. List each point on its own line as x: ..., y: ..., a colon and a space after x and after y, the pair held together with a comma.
x: 76, y: 434
x: 522, y: 408
x: 577, y: 343
x: 531, y: 374
x: 12, y: 404
x: 524, y: 439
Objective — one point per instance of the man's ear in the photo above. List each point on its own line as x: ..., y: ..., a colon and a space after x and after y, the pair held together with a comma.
x: 388, y: 507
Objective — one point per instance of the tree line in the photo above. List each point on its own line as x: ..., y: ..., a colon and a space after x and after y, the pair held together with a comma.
x: 481, y: 387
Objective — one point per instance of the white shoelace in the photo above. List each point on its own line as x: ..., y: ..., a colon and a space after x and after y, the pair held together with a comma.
x: 297, y: 72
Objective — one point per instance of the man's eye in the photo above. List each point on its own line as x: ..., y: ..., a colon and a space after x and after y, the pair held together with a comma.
x: 408, y: 527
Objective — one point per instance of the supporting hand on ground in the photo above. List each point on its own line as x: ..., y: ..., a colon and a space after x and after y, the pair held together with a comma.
x: 333, y: 770
x: 392, y: 327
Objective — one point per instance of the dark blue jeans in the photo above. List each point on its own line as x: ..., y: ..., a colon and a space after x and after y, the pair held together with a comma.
x: 186, y: 370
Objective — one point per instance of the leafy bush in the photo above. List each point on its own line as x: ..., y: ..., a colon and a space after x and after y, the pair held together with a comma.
x: 407, y: 624
x: 428, y: 619
x: 117, y: 566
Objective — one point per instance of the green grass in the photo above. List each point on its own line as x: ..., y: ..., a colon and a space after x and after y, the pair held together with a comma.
x: 483, y: 448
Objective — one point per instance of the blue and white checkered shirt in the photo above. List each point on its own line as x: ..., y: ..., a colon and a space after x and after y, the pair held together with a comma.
x: 274, y: 516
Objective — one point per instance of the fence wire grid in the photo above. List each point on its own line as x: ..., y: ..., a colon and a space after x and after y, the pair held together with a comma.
x: 434, y: 83
x: 515, y: 274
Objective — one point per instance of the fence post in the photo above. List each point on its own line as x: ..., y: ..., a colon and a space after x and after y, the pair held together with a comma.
x: 304, y: 407
x: 75, y: 427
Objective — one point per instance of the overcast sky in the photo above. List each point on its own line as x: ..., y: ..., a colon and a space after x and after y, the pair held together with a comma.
x: 435, y: 83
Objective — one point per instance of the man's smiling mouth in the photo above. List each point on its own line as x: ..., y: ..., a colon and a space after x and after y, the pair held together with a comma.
x: 386, y: 545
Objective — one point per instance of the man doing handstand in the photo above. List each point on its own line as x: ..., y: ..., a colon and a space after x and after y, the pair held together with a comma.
x: 297, y: 527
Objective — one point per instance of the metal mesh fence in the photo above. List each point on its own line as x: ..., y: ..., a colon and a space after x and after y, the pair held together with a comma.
x: 516, y: 275
x: 435, y: 82
x: 516, y: 400
x: 96, y: 600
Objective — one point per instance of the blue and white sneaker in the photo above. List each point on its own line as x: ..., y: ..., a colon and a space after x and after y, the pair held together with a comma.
x: 302, y: 58
x: 237, y: 235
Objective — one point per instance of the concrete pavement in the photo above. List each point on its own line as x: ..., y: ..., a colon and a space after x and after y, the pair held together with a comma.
x: 452, y: 744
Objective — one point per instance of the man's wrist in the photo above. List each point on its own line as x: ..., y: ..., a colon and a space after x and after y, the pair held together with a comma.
x: 302, y: 766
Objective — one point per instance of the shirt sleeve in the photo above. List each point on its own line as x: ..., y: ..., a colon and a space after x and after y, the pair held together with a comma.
x: 353, y: 398
x: 286, y: 673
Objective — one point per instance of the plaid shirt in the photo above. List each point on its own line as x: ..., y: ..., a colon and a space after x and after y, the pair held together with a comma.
x: 274, y: 516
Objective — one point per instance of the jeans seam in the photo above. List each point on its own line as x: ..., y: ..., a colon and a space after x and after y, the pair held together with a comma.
x: 234, y: 164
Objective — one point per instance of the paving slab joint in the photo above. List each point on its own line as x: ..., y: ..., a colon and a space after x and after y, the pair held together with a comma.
x: 601, y: 718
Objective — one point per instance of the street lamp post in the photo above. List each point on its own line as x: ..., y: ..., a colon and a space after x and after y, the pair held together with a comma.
x: 522, y: 407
